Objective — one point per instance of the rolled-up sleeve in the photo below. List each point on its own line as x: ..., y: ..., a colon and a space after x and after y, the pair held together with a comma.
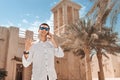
x: 28, y: 61
x: 59, y: 52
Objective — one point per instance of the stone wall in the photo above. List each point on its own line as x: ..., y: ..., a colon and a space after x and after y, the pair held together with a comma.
x: 3, y: 46
x: 12, y: 46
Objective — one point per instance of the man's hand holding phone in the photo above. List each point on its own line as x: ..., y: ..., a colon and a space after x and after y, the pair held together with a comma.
x: 52, y: 39
x: 28, y: 44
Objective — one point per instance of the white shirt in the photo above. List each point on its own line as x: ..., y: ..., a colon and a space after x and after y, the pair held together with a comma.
x: 41, y: 54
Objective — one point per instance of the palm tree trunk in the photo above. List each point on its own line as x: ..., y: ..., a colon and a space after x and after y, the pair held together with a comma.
x: 101, y: 72
x: 88, y: 66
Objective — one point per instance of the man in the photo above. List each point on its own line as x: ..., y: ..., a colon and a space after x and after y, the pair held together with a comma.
x: 41, y: 54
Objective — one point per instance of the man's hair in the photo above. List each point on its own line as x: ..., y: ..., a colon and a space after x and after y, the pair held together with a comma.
x: 44, y: 24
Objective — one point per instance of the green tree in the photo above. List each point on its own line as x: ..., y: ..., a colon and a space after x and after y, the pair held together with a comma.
x: 3, y: 73
x: 105, y: 12
x: 82, y: 38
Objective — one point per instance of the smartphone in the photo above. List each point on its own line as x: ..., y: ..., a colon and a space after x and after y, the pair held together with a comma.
x: 48, y: 35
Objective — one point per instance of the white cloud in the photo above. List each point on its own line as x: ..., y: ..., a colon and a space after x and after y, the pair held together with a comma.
x: 34, y: 29
x: 32, y: 26
x: 4, y: 25
x: 27, y: 14
x: 19, y: 25
x: 52, y: 4
x: 24, y: 21
x: 50, y: 23
x: 35, y: 25
x: 37, y: 17
x: 10, y: 23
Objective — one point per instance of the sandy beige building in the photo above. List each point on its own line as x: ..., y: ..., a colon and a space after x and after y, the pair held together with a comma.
x: 70, y: 67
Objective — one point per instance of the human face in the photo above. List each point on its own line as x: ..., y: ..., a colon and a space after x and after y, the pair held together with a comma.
x: 43, y: 30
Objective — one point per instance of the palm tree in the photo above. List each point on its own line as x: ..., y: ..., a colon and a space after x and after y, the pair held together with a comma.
x: 106, y: 43
x: 87, y: 35
x: 101, y: 10
x: 3, y: 73
x: 82, y: 36
x: 78, y: 39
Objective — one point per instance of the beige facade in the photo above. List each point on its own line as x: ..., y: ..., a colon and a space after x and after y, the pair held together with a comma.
x: 110, y: 66
x: 65, y: 12
x: 11, y: 50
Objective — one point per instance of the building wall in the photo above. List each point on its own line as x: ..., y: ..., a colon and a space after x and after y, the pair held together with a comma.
x: 12, y: 46
x: 116, y: 65
x: 3, y: 46
x: 70, y: 67
x: 107, y: 67
x: 12, y: 51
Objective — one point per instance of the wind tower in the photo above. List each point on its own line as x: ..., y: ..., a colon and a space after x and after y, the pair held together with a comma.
x: 65, y: 13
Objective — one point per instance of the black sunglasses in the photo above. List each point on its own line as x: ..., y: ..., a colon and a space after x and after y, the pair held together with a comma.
x: 42, y: 28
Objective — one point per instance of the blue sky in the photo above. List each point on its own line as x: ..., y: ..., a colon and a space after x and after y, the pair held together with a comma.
x: 28, y: 14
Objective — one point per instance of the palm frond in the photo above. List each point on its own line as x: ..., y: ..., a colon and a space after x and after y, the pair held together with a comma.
x: 104, y: 54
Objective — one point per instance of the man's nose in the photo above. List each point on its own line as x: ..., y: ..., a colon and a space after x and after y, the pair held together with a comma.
x: 44, y: 30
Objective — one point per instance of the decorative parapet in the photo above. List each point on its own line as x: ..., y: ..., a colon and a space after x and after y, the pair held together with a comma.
x: 28, y: 33
x: 60, y: 30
